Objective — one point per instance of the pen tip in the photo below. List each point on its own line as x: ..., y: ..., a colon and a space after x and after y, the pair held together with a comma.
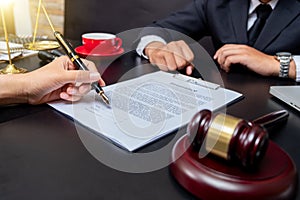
x: 104, y: 98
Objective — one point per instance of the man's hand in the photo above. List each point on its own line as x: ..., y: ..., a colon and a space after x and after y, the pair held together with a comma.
x: 172, y: 56
x: 251, y: 58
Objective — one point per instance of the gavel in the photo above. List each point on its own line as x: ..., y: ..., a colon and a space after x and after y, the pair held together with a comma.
x: 232, y: 138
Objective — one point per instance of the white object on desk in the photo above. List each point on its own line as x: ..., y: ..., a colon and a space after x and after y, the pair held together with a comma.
x: 15, y: 49
x: 145, y: 108
x: 289, y: 94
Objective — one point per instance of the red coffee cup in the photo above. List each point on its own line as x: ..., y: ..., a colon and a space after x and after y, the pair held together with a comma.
x: 101, y: 42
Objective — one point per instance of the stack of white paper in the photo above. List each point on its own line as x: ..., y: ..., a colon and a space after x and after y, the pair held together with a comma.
x: 146, y: 108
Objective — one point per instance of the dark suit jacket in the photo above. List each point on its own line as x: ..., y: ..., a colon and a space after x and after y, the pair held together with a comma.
x: 226, y: 22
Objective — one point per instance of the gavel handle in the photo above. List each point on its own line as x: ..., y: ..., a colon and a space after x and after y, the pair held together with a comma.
x: 272, y: 119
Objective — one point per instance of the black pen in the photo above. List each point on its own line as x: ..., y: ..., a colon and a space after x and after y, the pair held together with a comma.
x: 78, y: 63
x: 74, y: 57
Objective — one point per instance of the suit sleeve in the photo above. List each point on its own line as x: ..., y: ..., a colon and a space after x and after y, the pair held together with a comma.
x: 190, y: 21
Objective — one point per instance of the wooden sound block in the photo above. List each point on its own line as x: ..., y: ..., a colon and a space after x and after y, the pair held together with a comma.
x: 213, y: 178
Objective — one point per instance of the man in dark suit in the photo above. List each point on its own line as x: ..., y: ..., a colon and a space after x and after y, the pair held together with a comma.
x: 229, y: 22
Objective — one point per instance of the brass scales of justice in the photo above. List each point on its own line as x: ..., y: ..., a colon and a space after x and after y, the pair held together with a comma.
x: 34, y: 45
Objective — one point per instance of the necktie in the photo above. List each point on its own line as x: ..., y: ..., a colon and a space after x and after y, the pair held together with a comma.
x: 263, y: 11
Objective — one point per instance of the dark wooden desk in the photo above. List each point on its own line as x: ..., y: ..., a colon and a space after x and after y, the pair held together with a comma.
x: 42, y: 156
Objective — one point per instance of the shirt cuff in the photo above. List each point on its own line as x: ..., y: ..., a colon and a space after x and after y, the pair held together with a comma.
x: 145, y: 40
x: 297, y: 62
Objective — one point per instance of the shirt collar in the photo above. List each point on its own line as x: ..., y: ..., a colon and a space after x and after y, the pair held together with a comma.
x: 255, y: 3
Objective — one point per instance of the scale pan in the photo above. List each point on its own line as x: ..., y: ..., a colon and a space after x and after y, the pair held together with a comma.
x: 42, y: 45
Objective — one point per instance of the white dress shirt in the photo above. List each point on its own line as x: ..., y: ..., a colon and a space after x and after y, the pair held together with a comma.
x: 252, y: 14
x: 251, y: 19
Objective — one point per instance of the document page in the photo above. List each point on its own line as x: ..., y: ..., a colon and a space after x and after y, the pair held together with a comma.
x: 146, y: 108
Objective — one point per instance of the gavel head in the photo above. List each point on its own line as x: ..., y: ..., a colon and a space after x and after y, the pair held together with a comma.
x: 228, y: 137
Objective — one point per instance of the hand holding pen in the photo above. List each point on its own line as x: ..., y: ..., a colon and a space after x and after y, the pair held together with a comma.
x: 75, y: 58
x: 57, y: 80
x: 79, y: 64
